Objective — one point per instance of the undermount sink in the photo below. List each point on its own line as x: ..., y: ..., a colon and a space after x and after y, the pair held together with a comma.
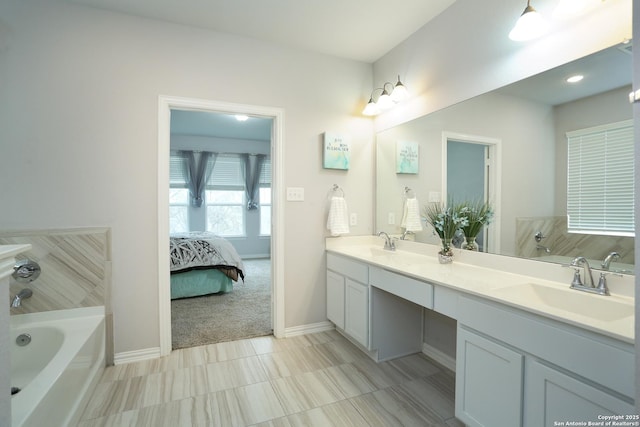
x: 584, y: 304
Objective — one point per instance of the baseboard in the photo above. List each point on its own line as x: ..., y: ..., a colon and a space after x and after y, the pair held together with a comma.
x: 255, y: 256
x: 136, y: 355
x: 308, y: 329
x: 440, y: 357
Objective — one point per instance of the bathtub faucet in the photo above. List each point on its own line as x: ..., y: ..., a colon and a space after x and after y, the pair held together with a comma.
x: 17, y: 300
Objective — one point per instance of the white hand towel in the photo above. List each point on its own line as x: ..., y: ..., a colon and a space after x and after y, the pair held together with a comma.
x: 338, y: 221
x: 411, y: 217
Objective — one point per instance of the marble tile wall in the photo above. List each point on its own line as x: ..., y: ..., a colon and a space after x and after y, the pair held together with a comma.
x: 76, y: 270
x: 562, y: 243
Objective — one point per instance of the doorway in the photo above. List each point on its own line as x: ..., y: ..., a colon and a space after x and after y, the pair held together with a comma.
x: 471, y: 172
x: 166, y: 105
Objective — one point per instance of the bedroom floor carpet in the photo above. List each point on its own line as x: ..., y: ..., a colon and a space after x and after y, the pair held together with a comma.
x: 243, y: 313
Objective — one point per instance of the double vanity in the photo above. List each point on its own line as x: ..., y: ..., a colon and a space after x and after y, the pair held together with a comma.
x: 530, y: 351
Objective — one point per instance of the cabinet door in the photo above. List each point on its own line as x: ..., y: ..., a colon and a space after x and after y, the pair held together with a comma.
x: 357, y: 311
x: 488, y: 382
x: 335, y: 298
x: 552, y: 397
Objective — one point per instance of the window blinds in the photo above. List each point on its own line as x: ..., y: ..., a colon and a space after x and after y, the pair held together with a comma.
x: 227, y: 172
x: 176, y: 176
x: 600, y: 180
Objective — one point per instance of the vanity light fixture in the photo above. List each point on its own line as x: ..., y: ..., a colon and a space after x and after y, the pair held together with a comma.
x: 386, y: 99
x: 242, y: 117
x: 529, y: 26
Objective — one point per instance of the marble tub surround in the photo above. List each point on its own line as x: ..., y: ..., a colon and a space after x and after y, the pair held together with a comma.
x: 75, y: 268
x: 485, y: 275
x: 570, y: 244
x: 311, y: 379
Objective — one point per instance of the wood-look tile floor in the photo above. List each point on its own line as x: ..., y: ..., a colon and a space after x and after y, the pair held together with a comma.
x: 311, y: 380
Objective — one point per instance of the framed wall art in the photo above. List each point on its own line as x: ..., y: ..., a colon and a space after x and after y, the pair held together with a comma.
x: 337, y: 152
x: 407, y: 156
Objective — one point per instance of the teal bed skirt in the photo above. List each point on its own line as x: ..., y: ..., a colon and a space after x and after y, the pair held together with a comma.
x: 199, y: 282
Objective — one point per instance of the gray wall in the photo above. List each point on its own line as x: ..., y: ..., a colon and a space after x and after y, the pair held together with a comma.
x: 78, y: 130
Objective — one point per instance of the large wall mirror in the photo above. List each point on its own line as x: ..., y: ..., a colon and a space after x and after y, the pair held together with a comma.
x: 521, y: 130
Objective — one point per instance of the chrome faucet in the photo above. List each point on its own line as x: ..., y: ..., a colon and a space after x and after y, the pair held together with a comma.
x: 588, y: 286
x: 388, y: 242
x: 607, y: 261
x: 17, y: 299
x: 405, y: 233
x: 588, y: 275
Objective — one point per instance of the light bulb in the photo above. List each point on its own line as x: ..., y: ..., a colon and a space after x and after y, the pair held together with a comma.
x: 371, y: 109
x: 529, y: 26
x: 400, y: 92
x: 385, y: 102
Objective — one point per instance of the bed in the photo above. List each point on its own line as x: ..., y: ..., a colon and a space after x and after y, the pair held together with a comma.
x: 201, y: 264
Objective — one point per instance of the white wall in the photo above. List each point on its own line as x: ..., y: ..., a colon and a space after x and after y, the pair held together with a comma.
x: 78, y: 132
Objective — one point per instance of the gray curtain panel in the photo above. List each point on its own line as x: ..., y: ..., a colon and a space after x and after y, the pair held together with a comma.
x: 197, y: 171
x: 252, y: 166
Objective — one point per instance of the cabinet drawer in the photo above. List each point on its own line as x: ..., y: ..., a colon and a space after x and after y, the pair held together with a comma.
x: 599, y: 358
x: 410, y: 289
x: 347, y: 267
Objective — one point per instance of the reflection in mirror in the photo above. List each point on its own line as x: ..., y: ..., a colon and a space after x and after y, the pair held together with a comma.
x: 527, y: 122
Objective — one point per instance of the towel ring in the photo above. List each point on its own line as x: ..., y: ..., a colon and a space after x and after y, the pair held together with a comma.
x: 409, y: 193
x: 336, y: 190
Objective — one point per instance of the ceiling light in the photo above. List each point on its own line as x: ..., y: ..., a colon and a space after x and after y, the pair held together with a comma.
x: 386, y: 99
x: 241, y: 117
x: 575, y: 79
x: 530, y: 25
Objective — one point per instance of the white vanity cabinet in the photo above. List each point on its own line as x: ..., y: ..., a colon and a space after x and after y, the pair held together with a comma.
x: 356, y: 301
x: 376, y: 308
x: 489, y: 379
x: 348, y: 297
x: 517, y: 369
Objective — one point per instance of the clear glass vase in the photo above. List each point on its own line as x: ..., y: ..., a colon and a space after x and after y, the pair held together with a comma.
x: 445, y: 256
x: 470, y: 244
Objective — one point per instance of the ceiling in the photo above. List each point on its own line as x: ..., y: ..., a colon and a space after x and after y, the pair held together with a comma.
x: 605, y: 70
x: 220, y: 125
x: 362, y: 30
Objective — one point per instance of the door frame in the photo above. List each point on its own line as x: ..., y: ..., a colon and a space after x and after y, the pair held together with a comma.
x: 494, y: 145
x: 165, y: 105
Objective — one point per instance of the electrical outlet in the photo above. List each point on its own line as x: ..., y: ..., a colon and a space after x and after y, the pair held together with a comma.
x: 434, y: 196
x: 391, y: 218
x: 353, y: 219
x: 295, y: 194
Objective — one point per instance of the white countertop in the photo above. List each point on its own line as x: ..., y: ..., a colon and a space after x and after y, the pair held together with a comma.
x: 469, y: 275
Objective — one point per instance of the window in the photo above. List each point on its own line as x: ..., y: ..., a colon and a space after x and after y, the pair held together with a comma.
x: 225, y: 198
x: 265, y: 198
x: 178, y: 197
x: 600, y: 183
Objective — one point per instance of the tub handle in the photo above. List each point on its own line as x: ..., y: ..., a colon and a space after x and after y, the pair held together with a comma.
x: 26, y: 270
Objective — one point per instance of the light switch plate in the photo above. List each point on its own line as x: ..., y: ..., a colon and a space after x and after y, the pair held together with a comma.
x: 434, y: 196
x: 295, y: 194
x: 391, y: 219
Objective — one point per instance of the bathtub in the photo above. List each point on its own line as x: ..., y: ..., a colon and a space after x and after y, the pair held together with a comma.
x: 58, y: 370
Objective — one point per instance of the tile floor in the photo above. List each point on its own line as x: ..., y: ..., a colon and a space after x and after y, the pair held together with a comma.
x: 310, y: 380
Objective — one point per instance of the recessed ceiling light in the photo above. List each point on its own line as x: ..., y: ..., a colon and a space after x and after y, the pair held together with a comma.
x: 241, y: 117
x: 575, y: 79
